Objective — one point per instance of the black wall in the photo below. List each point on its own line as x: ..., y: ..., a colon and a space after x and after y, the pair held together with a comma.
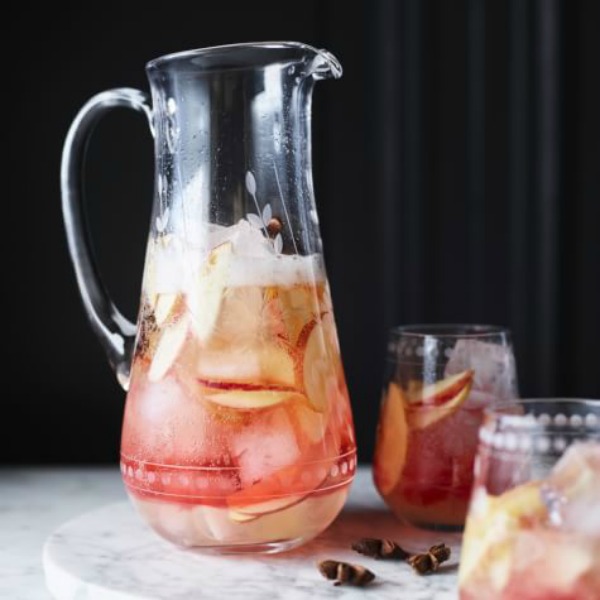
x: 457, y: 175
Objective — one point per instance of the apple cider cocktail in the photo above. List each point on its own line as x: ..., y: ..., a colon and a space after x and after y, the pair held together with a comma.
x: 440, y: 380
x: 237, y: 428
x: 533, y: 528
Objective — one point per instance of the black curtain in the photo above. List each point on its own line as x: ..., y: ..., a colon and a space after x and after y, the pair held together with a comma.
x: 456, y: 169
x: 481, y: 201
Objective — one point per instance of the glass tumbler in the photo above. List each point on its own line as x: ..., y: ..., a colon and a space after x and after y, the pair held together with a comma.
x: 533, y: 528
x: 438, y: 381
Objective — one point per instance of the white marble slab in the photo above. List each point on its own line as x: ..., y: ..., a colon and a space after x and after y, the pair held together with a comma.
x: 110, y: 554
x: 33, y: 503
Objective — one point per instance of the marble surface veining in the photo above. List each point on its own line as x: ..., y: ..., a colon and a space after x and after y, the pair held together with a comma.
x: 109, y: 553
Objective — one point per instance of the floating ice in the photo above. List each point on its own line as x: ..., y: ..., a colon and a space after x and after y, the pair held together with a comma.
x: 572, y: 492
x: 266, y: 447
x: 494, y: 368
x: 249, y: 241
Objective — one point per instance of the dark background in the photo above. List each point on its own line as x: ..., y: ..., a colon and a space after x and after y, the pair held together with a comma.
x: 456, y: 169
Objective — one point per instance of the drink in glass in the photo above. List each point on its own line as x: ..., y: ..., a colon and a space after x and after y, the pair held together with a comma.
x: 439, y: 380
x: 533, y: 529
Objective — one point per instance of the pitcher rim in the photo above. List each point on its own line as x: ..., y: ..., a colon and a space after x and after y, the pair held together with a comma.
x: 197, y: 52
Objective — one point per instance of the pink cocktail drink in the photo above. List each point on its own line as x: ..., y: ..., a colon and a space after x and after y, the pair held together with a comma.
x: 430, y: 416
x: 539, y: 540
x: 237, y: 431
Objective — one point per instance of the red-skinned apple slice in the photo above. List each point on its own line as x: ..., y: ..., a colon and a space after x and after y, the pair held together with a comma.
x: 439, y: 400
x: 168, y: 348
x: 206, y: 297
x: 392, y: 440
x: 247, y: 396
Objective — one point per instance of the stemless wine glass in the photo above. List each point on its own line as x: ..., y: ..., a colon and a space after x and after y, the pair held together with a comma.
x: 533, y: 528
x: 439, y: 379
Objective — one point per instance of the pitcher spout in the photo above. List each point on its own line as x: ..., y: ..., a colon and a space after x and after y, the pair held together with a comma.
x: 325, y: 65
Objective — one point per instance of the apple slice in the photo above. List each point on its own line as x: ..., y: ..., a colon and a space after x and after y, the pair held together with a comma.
x: 279, y: 490
x: 440, y: 392
x: 249, y: 512
x: 315, y: 364
x: 246, y: 396
x: 169, y: 346
x: 206, y: 297
x: 439, y: 400
x: 492, y: 528
x: 392, y: 440
x: 304, y: 519
x: 262, y: 364
x: 155, y: 257
x: 164, y: 307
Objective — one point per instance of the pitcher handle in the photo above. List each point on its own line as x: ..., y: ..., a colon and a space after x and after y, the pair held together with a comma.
x: 116, y: 333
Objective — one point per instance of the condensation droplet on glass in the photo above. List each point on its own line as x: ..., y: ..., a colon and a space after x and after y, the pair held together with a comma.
x: 171, y: 106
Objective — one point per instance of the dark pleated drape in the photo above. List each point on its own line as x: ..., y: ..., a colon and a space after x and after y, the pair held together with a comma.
x: 456, y: 167
x: 486, y: 180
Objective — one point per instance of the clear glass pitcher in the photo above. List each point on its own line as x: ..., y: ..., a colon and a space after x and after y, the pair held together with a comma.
x: 237, y: 432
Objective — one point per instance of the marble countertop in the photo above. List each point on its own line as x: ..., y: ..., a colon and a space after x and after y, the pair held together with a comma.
x: 34, y: 502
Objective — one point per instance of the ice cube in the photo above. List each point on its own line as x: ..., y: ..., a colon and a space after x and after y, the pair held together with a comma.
x: 572, y: 492
x: 265, y: 446
x: 166, y: 423
x: 494, y: 368
x: 249, y: 241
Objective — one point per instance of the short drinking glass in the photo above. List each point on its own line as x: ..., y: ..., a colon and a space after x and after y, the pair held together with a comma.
x: 533, y: 528
x: 438, y: 382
